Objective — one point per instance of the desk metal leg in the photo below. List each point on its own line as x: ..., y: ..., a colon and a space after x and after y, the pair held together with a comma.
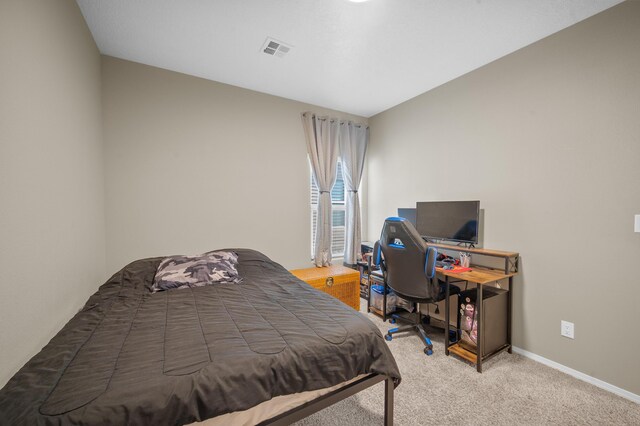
x: 509, y: 298
x: 384, y: 303
x: 479, y: 329
x: 369, y: 297
x: 446, y: 316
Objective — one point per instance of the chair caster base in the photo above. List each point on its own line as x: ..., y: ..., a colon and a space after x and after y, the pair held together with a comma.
x: 388, y: 337
x: 428, y: 351
x: 393, y: 321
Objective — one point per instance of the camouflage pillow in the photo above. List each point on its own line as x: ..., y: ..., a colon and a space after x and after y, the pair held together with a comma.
x: 196, y: 271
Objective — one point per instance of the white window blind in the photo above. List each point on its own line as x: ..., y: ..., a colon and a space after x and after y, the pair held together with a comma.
x: 339, y: 211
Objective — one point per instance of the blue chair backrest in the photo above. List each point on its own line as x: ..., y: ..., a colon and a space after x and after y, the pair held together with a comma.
x: 409, y: 264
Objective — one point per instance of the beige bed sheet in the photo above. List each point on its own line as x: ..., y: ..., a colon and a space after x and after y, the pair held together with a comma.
x: 271, y: 408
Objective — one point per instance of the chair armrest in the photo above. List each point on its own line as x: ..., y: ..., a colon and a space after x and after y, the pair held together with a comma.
x: 376, y: 256
x: 430, y: 257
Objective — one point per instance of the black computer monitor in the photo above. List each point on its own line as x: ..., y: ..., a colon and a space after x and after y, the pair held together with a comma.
x: 409, y: 214
x: 448, y: 220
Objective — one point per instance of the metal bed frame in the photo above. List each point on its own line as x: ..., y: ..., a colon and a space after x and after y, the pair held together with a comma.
x: 306, y: 409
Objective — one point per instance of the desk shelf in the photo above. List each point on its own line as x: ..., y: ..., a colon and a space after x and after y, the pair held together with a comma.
x: 377, y: 311
x: 481, y: 251
x: 471, y: 356
x: 510, y: 258
x: 463, y: 353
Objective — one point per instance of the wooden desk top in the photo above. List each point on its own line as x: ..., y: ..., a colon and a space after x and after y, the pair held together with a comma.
x: 477, y: 274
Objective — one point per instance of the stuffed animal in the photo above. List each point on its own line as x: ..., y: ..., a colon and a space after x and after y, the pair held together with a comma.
x: 468, y: 323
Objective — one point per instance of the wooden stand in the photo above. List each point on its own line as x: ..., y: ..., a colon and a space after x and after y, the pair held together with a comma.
x: 480, y: 276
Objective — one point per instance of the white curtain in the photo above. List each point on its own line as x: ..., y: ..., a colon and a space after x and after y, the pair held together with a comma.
x: 354, y: 139
x: 322, y: 146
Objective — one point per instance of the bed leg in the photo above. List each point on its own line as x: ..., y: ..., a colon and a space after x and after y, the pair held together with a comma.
x: 388, y: 402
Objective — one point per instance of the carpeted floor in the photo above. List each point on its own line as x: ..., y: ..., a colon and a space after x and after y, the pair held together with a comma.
x: 512, y: 390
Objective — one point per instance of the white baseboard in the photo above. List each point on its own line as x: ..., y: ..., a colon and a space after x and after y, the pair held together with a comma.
x: 579, y: 375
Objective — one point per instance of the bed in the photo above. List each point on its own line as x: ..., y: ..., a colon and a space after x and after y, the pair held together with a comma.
x: 199, y: 354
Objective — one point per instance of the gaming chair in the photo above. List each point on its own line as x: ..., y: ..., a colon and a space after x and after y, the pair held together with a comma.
x: 409, y: 268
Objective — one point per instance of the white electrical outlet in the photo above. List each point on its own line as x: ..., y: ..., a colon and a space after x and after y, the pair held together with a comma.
x: 566, y: 329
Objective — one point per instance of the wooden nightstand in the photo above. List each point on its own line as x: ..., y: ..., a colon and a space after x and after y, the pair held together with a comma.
x: 339, y: 281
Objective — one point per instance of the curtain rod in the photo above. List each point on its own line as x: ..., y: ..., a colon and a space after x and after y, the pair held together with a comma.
x: 333, y: 120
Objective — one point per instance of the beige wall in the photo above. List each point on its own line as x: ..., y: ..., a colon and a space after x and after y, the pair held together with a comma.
x: 548, y: 138
x: 194, y: 165
x: 52, y: 242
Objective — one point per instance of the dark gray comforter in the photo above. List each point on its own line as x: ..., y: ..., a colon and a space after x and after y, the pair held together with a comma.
x: 179, y: 356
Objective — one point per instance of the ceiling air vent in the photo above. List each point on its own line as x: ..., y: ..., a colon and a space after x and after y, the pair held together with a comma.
x: 275, y: 48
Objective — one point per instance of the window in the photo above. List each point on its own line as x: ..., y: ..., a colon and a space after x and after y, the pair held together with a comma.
x: 338, y: 203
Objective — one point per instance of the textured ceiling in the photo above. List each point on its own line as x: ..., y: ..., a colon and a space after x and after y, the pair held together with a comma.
x: 360, y: 58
